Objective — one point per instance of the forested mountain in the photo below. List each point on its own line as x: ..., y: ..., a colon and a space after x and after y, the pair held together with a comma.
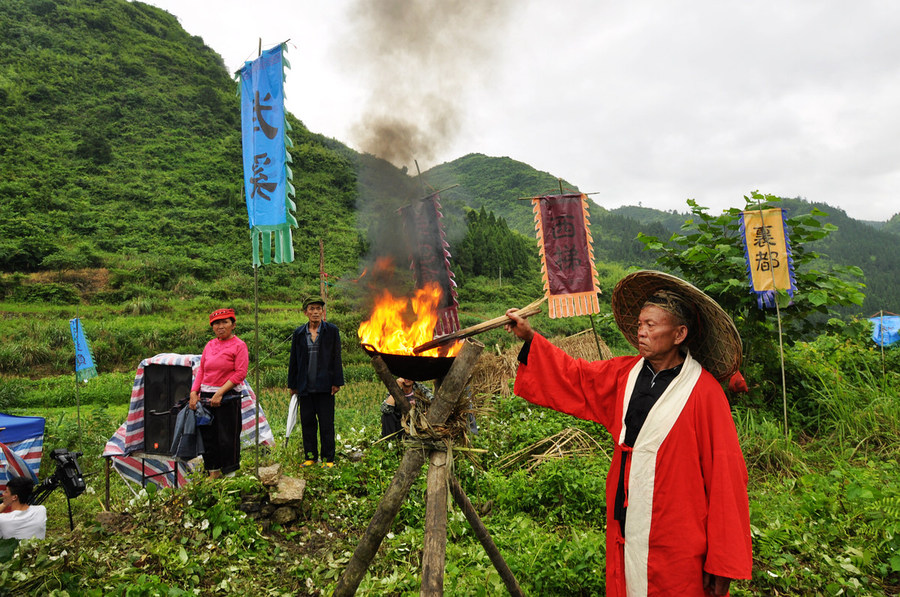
x: 121, y: 157
x: 121, y: 151
x: 501, y: 184
x: 893, y: 225
x: 670, y: 220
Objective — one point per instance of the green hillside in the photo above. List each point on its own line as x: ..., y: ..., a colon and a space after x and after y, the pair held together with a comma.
x: 498, y: 184
x: 120, y: 175
x: 670, y: 220
x: 122, y: 151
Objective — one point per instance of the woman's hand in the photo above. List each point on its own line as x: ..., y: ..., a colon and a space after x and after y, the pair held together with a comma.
x: 216, y: 400
x: 195, y: 398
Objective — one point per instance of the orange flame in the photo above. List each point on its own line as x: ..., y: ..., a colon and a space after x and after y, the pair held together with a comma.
x: 389, y: 331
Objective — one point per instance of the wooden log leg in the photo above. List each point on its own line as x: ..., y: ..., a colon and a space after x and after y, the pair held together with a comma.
x: 512, y: 585
x: 434, y: 547
x: 381, y: 522
x: 108, y: 459
x: 453, y: 386
x: 410, y: 466
x: 387, y: 378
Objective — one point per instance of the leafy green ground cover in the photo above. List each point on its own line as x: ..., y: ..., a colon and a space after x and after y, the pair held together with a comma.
x: 824, y: 503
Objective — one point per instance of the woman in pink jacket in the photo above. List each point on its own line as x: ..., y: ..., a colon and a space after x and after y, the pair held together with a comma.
x: 218, y: 382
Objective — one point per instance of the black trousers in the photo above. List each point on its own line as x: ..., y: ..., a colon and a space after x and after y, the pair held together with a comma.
x: 222, y: 438
x: 390, y: 421
x: 317, y: 415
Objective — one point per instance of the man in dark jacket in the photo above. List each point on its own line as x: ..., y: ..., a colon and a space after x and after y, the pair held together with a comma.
x: 315, y: 374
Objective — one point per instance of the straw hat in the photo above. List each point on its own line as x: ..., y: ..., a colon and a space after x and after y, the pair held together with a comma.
x: 715, y: 343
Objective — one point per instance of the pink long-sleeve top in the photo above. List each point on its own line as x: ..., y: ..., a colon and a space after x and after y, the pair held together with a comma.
x: 221, y: 361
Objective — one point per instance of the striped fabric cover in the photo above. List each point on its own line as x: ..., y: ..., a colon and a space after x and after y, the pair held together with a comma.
x: 21, y: 459
x: 126, y: 445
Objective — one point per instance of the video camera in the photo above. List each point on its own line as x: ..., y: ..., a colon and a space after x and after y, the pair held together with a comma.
x: 68, y: 474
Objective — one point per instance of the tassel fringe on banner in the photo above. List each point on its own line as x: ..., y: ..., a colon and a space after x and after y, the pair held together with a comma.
x: 86, y: 374
x: 448, y: 321
x: 569, y: 305
x: 263, y: 238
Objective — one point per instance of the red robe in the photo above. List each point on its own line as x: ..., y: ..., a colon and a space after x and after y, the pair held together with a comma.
x: 686, y: 485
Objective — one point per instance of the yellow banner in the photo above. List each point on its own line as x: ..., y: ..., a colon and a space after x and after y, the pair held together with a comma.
x: 767, y: 255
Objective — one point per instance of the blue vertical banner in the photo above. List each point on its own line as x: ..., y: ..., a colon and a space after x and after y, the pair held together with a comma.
x: 267, y: 175
x: 84, y: 358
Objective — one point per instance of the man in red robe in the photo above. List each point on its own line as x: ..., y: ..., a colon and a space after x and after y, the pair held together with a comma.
x: 677, y: 476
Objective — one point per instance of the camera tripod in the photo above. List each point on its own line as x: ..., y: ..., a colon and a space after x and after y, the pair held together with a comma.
x: 68, y: 474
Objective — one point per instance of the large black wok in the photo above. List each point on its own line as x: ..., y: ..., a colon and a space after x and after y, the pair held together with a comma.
x: 412, y: 367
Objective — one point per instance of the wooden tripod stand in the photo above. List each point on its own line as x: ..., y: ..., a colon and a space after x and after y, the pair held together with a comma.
x: 439, y: 479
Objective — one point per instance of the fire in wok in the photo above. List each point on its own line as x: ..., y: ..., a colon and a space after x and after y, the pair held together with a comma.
x: 397, y: 325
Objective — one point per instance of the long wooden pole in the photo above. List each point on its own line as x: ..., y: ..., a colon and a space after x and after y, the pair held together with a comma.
x: 883, y: 370
x: 322, y: 286
x: 484, y: 537
x: 77, y: 389
x: 410, y: 466
x: 527, y: 311
x: 387, y: 378
x: 257, y: 389
x: 434, y: 546
x: 762, y: 220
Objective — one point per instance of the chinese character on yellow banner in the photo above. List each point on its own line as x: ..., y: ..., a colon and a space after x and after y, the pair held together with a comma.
x: 770, y: 267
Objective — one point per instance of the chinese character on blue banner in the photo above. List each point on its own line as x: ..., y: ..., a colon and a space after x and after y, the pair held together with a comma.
x: 267, y: 175
x: 84, y: 358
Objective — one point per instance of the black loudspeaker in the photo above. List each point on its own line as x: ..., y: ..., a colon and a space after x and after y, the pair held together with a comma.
x: 164, y: 386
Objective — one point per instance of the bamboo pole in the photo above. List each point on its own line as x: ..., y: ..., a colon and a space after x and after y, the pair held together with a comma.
x: 762, y: 220
x: 322, y: 285
x: 77, y: 389
x: 484, y: 537
x: 256, y: 342
x: 434, y: 546
x: 573, y: 193
x: 532, y: 309
x: 883, y: 370
x: 256, y: 367
x: 410, y: 466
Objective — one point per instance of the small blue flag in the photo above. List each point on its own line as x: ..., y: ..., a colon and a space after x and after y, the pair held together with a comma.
x: 885, y: 329
x: 84, y: 358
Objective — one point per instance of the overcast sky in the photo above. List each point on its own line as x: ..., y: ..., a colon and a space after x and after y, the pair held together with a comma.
x: 647, y: 102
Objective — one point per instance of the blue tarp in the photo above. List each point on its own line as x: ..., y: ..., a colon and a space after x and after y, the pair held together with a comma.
x: 15, y: 429
x: 885, y: 329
